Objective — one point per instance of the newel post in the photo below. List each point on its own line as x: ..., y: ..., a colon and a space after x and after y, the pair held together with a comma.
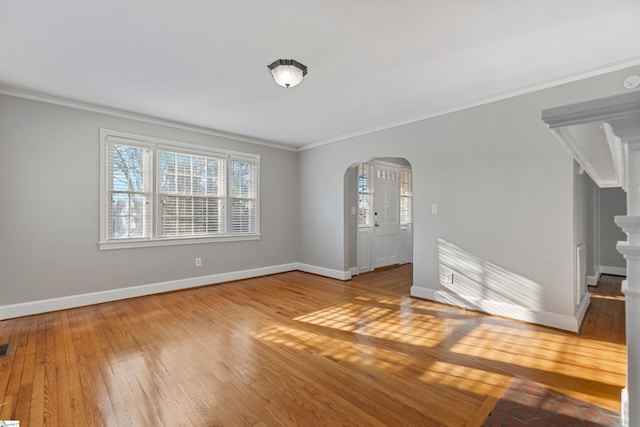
x: 630, y: 224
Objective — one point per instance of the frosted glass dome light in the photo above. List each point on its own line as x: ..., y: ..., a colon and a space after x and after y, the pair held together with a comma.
x: 287, y: 72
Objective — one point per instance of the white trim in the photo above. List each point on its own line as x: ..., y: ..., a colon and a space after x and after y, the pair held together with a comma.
x: 322, y: 271
x: 354, y: 271
x: 191, y: 240
x: 11, y: 311
x: 498, y: 97
x: 624, y: 407
x: 164, y: 144
x: 618, y: 155
x: 596, y: 233
x: 424, y: 293
x: 378, y: 164
x: 593, y: 280
x: 49, y: 99
x: 629, y: 292
x: 570, y: 143
x: 512, y: 311
x: 581, y: 272
x: 582, y: 310
x: 616, y: 271
x: 629, y: 224
x: 71, y: 301
x: 609, y: 109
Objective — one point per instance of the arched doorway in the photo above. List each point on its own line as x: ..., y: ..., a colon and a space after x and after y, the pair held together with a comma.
x: 378, y: 214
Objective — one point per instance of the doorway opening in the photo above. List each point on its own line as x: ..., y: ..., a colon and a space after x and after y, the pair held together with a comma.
x: 378, y: 214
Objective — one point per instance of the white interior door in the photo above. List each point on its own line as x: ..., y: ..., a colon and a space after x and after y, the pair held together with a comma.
x: 386, y: 231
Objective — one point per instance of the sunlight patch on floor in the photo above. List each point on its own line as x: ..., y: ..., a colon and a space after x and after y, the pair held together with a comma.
x: 608, y: 297
x: 546, y: 351
x: 384, y: 323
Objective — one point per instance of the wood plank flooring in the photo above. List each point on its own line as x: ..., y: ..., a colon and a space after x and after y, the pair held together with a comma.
x: 605, y: 316
x: 295, y: 349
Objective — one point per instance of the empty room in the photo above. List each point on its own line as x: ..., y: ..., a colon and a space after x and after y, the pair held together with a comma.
x: 218, y: 213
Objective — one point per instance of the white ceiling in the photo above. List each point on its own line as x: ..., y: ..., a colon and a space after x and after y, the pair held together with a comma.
x: 372, y: 63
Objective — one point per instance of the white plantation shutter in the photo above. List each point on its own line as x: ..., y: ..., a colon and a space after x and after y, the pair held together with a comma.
x: 365, y: 194
x: 129, y: 196
x: 191, y: 193
x: 406, y: 196
x: 156, y: 192
x: 243, y: 189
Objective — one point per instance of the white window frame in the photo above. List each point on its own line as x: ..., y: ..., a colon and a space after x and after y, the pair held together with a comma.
x: 408, y: 196
x: 155, y: 144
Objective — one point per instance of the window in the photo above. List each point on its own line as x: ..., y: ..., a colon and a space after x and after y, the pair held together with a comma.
x: 406, y: 196
x: 190, y: 195
x: 243, y: 196
x: 365, y: 195
x: 385, y: 175
x: 158, y: 192
x: 129, y: 191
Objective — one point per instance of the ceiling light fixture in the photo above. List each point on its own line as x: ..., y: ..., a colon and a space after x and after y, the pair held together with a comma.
x: 287, y: 72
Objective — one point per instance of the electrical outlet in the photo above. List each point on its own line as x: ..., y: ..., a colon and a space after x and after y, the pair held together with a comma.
x: 198, y: 262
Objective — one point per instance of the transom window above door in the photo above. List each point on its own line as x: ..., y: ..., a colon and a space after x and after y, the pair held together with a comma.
x: 386, y: 175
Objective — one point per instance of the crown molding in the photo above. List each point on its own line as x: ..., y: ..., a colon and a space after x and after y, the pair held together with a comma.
x: 36, y: 96
x: 617, y: 107
x: 50, y: 99
x: 498, y: 97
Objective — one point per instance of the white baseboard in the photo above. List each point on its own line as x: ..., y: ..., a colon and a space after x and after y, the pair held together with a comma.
x: 624, y: 407
x: 424, y: 293
x: 62, y: 303
x: 582, y: 310
x: 593, y: 280
x: 355, y: 271
x: 616, y: 271
x: 322, y: 271
x: 512, y: 311
x: 72, y: 301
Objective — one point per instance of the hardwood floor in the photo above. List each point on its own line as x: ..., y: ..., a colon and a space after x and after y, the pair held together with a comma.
x: 605, y: 315
x: 294, y: 349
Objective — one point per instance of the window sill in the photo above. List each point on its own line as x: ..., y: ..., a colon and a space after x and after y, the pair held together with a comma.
x: 127, y: 244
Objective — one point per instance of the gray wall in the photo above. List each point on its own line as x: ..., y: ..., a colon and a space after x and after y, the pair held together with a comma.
x: 613, y: 201
x: 50, y: 155
x: 593, y: 237
x: 503, y: 182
